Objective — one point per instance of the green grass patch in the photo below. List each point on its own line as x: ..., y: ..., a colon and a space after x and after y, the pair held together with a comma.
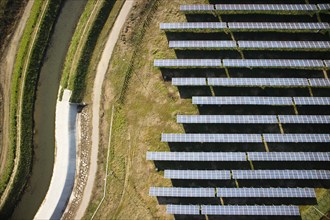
x: 75, y: 73
x: 19, y: 63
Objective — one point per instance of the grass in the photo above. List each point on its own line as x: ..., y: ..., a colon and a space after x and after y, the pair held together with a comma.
x: 137, y: 124
x: 28, y: 97
x: 19, y: 63
x: 79, y: 57
x: 76, y: 40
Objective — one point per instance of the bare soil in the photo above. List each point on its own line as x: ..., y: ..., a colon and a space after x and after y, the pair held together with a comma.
x: 7, y: 59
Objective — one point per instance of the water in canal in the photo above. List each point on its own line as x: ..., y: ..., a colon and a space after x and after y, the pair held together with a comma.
x: 44, y: 114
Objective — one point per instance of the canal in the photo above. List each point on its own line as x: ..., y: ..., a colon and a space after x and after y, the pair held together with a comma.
x: 44, y: 115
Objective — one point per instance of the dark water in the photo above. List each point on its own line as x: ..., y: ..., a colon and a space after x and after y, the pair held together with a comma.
x: 44, y: 115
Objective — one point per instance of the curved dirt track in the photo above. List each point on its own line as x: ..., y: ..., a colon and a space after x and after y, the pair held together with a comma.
x: 97, y: 92
x: 6, y: 69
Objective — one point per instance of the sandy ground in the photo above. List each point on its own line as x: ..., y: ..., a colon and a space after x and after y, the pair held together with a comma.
x: 65, y: 160
x: 97, y: 92
x: 6, y: 69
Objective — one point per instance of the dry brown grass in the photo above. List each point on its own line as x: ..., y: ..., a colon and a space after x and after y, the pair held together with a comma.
x: 149, y: 109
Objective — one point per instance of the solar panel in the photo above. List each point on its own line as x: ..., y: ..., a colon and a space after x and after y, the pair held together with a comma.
x: 241, y: 100
x: 284, y: 44
x: 327, y: 63
x: 282, y: 174
x: 214, y: 44
x: 181, y: 192
x: 197, y: 7
x: 189, y: 82
x: 289, y: 156
x: 312, y: 100
x: 227, y: 119
x: 187, y: 63
x: 318, y: 82
x: 196, y: 156
x: 248, y: 210
x: 274, y: 63
x: 193, y: 26
x: 266, y: 192
x: 266, y: 7
x: 263, y: 82
x: 304, y: 119
x: 212, y: 138
x: 297, y: 138
x: 269, y: 26
x: 323, y: 7
x: 198, y: 174
x: 183, y: 209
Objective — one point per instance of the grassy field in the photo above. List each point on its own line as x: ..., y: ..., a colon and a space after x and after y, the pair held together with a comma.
x: 145, y: 106
x: 25, y: 76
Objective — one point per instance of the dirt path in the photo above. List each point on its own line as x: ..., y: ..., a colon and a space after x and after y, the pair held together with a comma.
x: 6, y: 69
x: 97, y: 92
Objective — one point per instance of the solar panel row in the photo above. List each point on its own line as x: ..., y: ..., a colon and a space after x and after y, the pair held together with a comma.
x: 248, y: 174
x: 246, y: 26
x: 266, y: 7
x: 198, y: 174
x: 272, y: 63
x: 282, y: 174
x: 245, y: 138
x: 233, y: 210
x: 212, y: 138
x: 259, y: 100
x: 196, y: 156
x: 183, y: 209
x: 253, y: 119
x: 181, y: 192
x: 241, y: 8
x: 238, y: 156
x: 252, y: 82
x: 249, y: 63
x: 250, y: 210
x: 214, y: 44
x: 258, y: 82
x: 324, y: 7
x: 233, y: 192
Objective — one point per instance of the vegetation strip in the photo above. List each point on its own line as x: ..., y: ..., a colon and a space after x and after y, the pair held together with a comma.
x: 25, y: 77
x: 82, y: 47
